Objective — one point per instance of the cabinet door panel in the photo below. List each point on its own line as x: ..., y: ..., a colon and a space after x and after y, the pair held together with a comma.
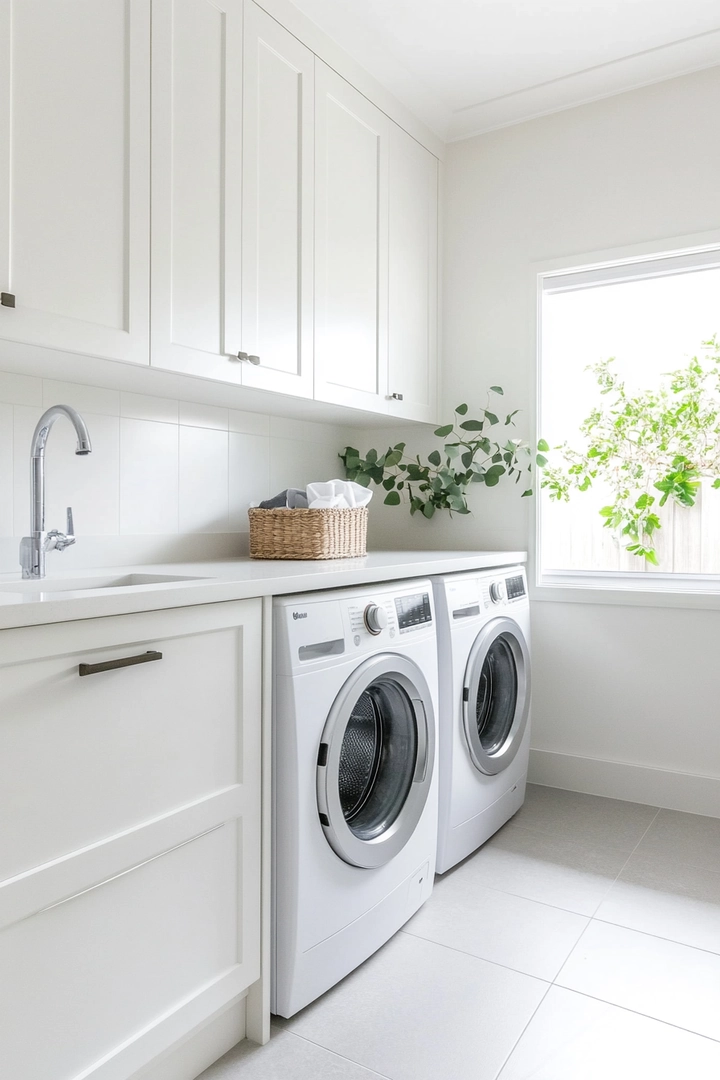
x: 351, y: 245
x: 278, y: 121
x: 197, y: 151
x: 413, y: 299
x: 74, y: 131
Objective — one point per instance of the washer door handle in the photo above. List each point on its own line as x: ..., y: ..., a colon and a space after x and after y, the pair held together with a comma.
x: 423, y: 743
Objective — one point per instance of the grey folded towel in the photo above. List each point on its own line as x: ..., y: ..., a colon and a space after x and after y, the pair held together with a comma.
x: 291, y: 498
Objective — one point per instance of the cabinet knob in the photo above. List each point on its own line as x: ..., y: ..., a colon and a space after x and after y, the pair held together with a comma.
x: 395, y: 397
x: 255, y: 360
x: 239, y: 356
x: 7, y: 299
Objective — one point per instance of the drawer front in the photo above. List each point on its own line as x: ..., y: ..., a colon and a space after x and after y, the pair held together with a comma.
x: 89, y: 974
x: 85, y: 758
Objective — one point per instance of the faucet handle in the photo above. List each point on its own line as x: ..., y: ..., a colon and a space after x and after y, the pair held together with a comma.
x: 69, y: 530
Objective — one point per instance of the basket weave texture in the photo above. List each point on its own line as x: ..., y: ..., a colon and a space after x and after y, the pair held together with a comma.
x: 308, y: 534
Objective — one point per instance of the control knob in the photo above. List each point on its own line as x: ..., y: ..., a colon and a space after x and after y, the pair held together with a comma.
x: 497, y: 591
x: 375, y: 618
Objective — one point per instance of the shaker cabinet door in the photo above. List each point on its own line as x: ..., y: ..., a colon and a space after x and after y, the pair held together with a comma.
x: 197, y: 187
x: 413, y: 284
x: 277, y: 218
x: 351, y: 245
x: 74, y: 175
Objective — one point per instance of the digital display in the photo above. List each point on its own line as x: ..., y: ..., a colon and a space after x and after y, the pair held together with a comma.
x: 515, y: 587
x: 413, y: 610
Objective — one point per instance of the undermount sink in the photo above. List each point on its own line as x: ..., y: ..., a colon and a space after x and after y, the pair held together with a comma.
x: 51, y: 586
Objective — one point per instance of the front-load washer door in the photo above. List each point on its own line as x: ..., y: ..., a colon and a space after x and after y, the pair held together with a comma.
x: 375, y: 761
x: 496, y: 695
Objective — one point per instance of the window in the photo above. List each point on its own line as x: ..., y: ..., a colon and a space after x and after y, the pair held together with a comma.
x: 651, y: 315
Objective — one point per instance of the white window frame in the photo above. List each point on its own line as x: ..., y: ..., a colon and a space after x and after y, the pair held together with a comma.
x: 613, y: 587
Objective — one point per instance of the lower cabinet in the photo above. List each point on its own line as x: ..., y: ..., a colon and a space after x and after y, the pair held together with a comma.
x: 130, y: 883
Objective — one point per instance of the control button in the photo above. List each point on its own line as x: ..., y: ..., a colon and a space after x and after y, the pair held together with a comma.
x: 497, y: 592
x: 356, y: 639
x: 392, y: 633
x: 375, y: 619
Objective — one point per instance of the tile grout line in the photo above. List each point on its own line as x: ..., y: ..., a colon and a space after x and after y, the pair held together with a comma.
x: 522, y: 1033
x: 620, y: 871
x: 474, y: 956
x: 342, y: 1057
x: 636, y: 1012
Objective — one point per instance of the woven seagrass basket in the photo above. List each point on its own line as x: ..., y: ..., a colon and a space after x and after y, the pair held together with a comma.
x: 308, y: 534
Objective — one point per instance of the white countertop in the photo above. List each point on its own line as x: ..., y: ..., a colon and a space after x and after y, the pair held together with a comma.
x: 236, y: 579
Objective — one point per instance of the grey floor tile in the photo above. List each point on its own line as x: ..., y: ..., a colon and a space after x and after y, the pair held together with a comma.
x: 509, y: 930
x: 546, y: 868
x: 285, y: 1057
x: 649, y: 975
x: 572, y: 1037
x: 585, y: 819
x: 688, y: 838
x: 659, y: 895
x: 420, y: 1011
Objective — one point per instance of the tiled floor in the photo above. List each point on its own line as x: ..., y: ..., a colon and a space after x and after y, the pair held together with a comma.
x: 581, y: 943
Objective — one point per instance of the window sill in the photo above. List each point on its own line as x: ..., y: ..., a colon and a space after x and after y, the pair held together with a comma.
x: 636, y: 590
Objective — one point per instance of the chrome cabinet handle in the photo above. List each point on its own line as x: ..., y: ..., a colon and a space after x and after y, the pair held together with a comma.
x: 255, y: 360
x: 126, y: 661
x: 7, y: 299
x: 395, y: 397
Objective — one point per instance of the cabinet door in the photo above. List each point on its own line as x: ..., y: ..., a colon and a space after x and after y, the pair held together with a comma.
x: 196, y: 187
x: 277, y: 223
x: 75, y: 174
x: 351, y: 245
x: 130, y: 881
x: 413, y: 286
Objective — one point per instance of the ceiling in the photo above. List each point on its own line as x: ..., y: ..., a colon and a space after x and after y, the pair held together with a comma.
x: 468, y: 66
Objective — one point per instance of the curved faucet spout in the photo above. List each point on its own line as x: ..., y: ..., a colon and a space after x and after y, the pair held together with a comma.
x: 33, y: 547
x: 47, y: 420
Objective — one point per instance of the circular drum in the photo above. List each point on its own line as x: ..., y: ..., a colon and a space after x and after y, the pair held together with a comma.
x: 375, y: 761
x: 496, y: 695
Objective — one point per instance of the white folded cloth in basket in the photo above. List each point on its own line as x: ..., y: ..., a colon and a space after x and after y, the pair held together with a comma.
x: 342, y: 494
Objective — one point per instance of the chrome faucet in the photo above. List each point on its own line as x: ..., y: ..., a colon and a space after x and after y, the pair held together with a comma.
x: 34, y: 547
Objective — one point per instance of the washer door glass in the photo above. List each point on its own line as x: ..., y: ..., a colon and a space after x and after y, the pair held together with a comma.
x: 375, y: 761
x: 496, y: 695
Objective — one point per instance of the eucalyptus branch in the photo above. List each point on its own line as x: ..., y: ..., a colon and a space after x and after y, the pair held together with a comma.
x: 468, y: 456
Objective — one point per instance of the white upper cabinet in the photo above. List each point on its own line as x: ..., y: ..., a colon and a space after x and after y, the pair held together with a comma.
x: 351, y: 245
x: 74, y: 175
x: 277, y: 200
x: 197, y: 187
x: 413, y: 284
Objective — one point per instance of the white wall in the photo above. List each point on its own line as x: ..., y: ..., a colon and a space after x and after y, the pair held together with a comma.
x: 613, y: 684
x: 167, y: 479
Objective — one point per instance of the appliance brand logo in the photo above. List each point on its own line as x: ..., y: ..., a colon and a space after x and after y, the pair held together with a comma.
x: 300, y: 615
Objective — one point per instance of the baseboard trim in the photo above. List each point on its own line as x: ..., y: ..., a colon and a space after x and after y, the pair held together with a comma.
x: 632, y: 783
x: 201, y: 1048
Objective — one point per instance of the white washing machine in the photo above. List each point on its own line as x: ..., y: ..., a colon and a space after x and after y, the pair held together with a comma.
x: 354, y: 779
x: 484, y: 712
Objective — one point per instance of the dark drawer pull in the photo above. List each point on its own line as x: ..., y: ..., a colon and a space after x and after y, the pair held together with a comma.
x: 127, y: 661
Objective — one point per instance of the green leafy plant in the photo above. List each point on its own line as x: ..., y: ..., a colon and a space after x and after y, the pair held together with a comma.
x: 648, y: 448
x: 467, y: 456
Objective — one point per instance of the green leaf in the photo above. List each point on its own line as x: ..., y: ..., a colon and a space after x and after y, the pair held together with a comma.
x: 392, y: 458
x: 472, y: 425
x: 461, y: 410
x: 399, y: 446
x: 428, y: 509
x: 543, y: 445
x: 492, y: 476
x: 497, y: 390
x: 491, y: 417
x: 389, y: 483
x: 434, y: 457
x: 392, y: 499
x: 452, y: 450
x: 526, y: 493
x: 509, y: 417
x: 372, y: 457
x: 540, y: 461
x: 443, y: 432
x: 716, y: 483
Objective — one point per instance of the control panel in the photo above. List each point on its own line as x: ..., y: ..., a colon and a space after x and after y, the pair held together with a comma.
x: 413, y: 611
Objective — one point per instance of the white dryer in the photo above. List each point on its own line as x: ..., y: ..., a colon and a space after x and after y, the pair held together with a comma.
x: 484, y: 712
x: 354, y: 779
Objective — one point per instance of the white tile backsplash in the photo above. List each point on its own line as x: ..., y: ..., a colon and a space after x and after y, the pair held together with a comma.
x: 148, y: 477
x: 203, y: 480
x: 160, y: 468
